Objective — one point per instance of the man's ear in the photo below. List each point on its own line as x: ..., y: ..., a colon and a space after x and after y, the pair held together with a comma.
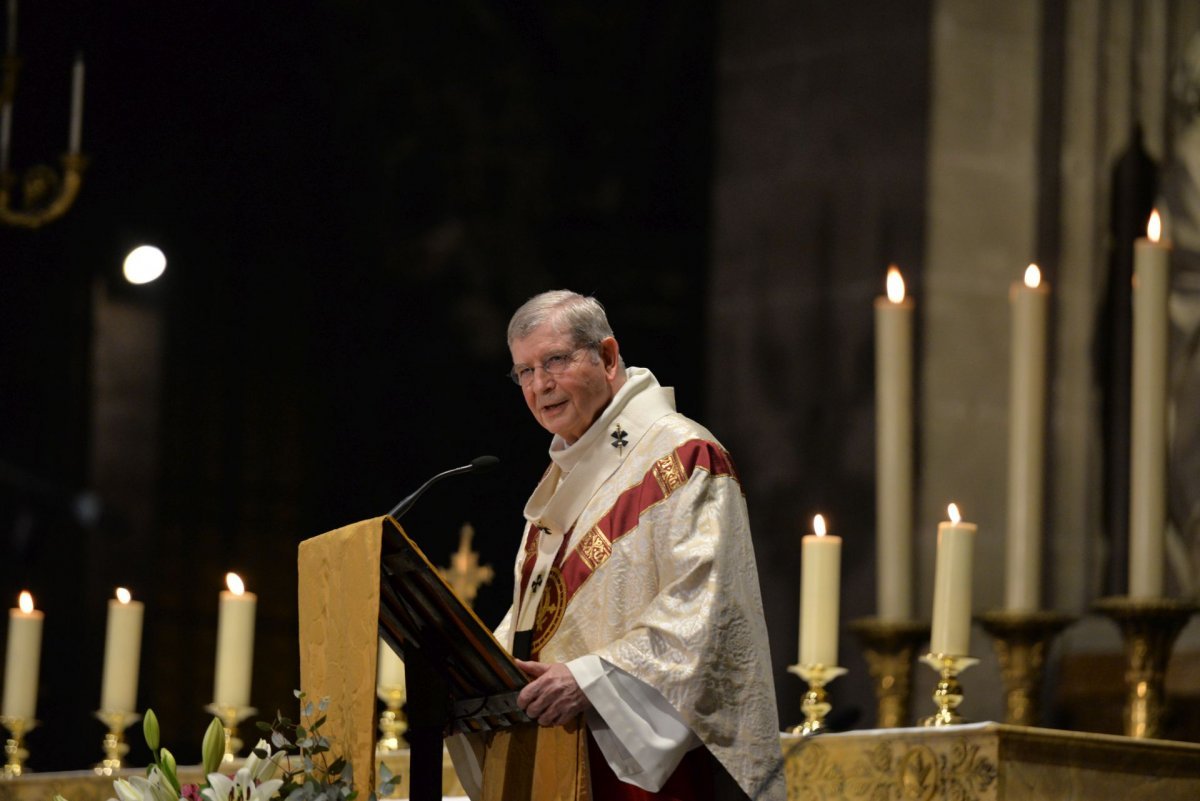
x: 610, y: 355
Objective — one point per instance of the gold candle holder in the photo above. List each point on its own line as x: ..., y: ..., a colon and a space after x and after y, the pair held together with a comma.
x: 815, y: 705
x: 392, y: 723
x: 1021, y: 641
x: 230, y: 717
x: 1149, y: 627
x: 889, y: 647
x: 948, y: 694
x: 14, y: 746
x: 114, y: 744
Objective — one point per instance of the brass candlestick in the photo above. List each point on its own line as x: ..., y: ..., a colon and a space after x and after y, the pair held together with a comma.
x: 889, y: 646
x: 815, y: 705
x: 392, y: 724
x: 14, y: 746
x: 230, y: 717
x: 1149, y: 627
x: 114, y: 744
x: 948, y: 694
x: 1021, y: 640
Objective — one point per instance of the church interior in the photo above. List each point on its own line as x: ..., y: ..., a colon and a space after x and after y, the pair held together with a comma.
x: 352, y: 198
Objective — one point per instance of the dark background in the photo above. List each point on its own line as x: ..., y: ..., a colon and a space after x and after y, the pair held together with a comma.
x: 352, y: 197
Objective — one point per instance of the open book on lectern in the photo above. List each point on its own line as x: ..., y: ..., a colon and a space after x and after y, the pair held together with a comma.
x: 420, y: 616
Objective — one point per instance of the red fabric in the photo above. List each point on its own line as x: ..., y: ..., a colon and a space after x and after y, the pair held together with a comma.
x: 691, y: 781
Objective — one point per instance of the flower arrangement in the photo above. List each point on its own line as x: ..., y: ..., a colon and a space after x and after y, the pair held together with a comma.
x: 294, y: 765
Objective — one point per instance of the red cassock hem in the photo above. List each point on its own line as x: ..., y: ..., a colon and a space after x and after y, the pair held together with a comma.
x: 691, y: 781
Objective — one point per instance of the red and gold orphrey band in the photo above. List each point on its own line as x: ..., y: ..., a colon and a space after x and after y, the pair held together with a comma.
x: 570, y: 572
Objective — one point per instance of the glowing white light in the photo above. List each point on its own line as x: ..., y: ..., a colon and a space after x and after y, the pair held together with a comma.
x: 895, y: 285
x: 819, y: 525
x: 952, y: 510
x: 144, y: 264
x: 235, y: 584
x: 123, y: 595
x: 25, y: 602
x: 1033, y: 276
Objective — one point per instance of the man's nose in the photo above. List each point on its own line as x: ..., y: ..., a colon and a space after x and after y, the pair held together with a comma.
x: 541, y: 379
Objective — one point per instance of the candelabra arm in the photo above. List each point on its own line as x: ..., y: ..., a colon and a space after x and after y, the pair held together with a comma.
x: 14, y: 746
x: 42, y: 176
x: 815, y: 705
x: 114, y: 745
x: 948, y: 694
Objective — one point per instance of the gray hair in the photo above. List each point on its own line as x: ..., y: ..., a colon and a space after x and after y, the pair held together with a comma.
x: 569, y: 312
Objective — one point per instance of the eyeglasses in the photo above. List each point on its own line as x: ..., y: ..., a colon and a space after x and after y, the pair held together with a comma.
x: 555, y: 365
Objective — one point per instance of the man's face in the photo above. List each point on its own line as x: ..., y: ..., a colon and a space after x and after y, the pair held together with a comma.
x: 568, y: 403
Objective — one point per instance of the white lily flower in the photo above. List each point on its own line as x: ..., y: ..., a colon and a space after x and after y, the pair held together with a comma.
x: 263, y: 769
x: 125, y: 791
x: 219, y: 787
x: 266, y: 790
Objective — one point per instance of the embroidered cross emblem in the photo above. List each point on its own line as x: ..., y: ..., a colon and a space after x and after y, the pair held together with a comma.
x: 537, y: 582
x: 619, y: 439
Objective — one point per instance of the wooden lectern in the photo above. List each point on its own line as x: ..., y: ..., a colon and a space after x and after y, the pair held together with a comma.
x: 369, y: 580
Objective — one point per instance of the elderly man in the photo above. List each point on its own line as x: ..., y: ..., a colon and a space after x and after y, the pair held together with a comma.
x: 636, y: 603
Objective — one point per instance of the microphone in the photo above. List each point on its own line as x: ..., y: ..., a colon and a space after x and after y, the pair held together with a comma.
x: 478, y: 465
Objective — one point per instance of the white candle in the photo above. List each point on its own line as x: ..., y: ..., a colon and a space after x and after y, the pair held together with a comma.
x: 76, y: 134
x: 235, y: 645
x: 893, y: 450
x: 952, y: 587
x: 390, y: 667
x: 21, y: 660
x: 1026, y: 442
x: 1148, y: 440
x: 820, y: 579
x: 122, y: 652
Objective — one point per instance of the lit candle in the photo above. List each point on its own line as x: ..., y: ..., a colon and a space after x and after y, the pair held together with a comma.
x: 122, y: 651
x: 21, y: 660
x: 390, y: 667
x: 1026, y: 442
x: 76, y: 105
x: 893, y: 450
x: 952, y: 587
x: 235, y: 645
x: 1148, y: 439
x: 820, y: 578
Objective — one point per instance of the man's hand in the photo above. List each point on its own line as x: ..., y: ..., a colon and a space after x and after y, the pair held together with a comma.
x: 553, y: 698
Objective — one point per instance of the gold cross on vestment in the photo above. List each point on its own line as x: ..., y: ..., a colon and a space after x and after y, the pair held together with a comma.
x: 465, y: 574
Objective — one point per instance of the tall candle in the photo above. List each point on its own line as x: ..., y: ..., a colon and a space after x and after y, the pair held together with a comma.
x: 122, y: 652
x: 21, y: 660
x: 952, y: 587
x: 76, y: 134
x: 235, y: 645
x: 390, y: 667
x: 893, y: 450
x: 1026, y: 442
x: 1148, y: 440
x: 820, y: 579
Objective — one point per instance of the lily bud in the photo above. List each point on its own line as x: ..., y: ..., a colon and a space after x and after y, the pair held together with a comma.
x: 150, y: 729
x: 212, y: 751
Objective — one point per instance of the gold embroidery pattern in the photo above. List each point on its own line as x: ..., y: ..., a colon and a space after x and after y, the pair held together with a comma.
x: 550, y: 610
x: 594, y: 548
x: 669, y: 473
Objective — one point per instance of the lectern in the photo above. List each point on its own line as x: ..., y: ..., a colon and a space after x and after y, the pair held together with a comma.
x: 369, y: 580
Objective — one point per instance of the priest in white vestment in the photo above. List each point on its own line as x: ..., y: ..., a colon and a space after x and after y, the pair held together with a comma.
x: 636, y: 601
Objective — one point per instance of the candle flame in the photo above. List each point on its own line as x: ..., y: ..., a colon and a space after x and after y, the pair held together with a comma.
x: 235, y: 584
x: 1154, y: 227
x: 819, y: 525
x: 25, y: 602
x: 1033, y: 276
x: 895, y: 285
x: 952, y: 510
x: 123, y: 595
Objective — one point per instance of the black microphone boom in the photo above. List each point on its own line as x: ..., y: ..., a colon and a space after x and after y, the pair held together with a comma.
x: 477, y: 465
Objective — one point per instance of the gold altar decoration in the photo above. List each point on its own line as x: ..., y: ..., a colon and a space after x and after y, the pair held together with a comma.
x: 1148, y: 627
x: 815, y: 705
x: 948, y: 694
x: 465, y: 575
x: 15, y: 753
x: 114, y: 745
x: 1021, y: 640
x: 987, y: 762
x: 890, y: 647
x: 392, y: 723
